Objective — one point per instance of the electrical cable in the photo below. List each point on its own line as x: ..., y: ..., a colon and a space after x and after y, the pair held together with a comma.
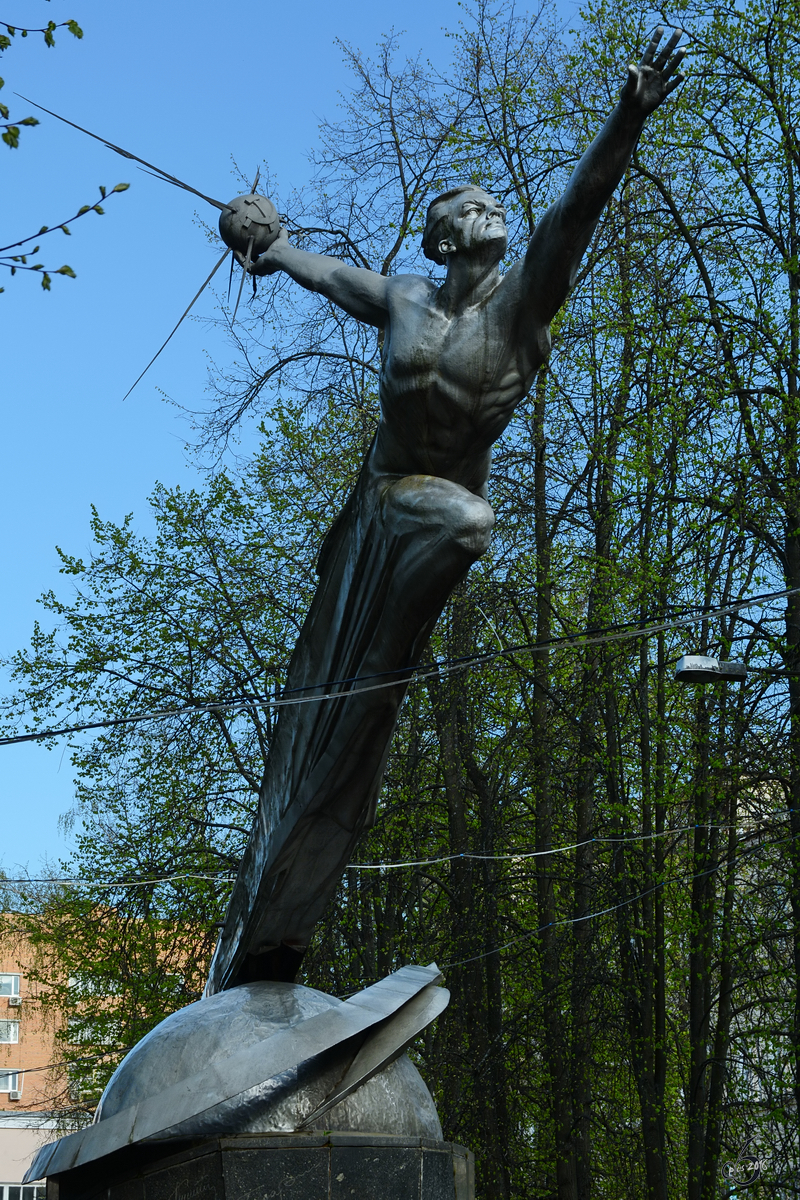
x: 519, y: 855
x: 67, y: 1062
x: 612, y: 633
x: 514, y: 856
x: 76, y: 881
x: 685, y: 878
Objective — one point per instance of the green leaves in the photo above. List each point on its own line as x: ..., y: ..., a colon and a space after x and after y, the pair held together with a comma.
x: 47, y: 31
x: 11, y: 132
x: 12, y: 262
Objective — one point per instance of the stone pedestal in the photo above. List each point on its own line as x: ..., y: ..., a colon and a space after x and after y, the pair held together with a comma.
x: 333, y: 1166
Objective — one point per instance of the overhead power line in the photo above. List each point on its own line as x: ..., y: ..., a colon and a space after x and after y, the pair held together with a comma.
x: 509, y: 856
x: 686, y: 877
x: 603, y: 912
x: 611, y: 633
x: 78, y: 881
x: 521, y: 855
x: 70, y: 1062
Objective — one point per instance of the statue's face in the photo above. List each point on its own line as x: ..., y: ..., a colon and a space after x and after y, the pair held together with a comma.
x: 476, y: 220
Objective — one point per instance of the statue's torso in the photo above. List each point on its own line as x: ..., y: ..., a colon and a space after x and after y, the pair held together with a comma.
x: 450, y: 382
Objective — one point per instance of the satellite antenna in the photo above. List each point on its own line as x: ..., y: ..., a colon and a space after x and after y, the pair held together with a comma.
x: 248, y: 225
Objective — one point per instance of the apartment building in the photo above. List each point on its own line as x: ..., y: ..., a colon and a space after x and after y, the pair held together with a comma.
x: 27, y: 1044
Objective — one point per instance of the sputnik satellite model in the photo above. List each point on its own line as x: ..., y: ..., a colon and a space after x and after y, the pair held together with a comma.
x: 248, y: 225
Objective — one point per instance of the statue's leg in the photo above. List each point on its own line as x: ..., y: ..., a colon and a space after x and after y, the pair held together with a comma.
x: 434, y: 530
x: 406, y: 542
x: 438, y: 508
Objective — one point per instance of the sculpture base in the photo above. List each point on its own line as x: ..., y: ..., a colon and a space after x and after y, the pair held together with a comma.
x: 334, y: 1166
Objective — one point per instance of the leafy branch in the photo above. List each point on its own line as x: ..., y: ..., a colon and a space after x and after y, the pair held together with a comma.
x: 19, y: 262
x: 11, y: 131
x: 48, y: 30
x: 10, y: 134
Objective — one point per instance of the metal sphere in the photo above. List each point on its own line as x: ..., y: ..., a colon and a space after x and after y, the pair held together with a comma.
x: 249, y: 217
x: 204, y: 1035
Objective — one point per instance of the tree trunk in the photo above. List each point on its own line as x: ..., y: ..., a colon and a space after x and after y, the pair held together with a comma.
x: 555, y: 1048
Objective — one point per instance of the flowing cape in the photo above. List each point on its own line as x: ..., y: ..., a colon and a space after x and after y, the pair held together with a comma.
x: 387, y: 567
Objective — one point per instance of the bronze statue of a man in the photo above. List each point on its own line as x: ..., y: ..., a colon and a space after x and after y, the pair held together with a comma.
x: 457, y: 360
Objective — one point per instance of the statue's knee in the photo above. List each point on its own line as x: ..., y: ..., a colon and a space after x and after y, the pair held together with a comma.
x: 420, y: 502
x: 473, y: 525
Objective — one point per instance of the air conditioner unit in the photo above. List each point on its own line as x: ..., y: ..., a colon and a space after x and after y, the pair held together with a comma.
x: 15, y: 1095
x: 14, y: 1001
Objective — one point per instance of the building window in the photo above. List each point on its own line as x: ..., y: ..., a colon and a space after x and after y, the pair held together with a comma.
x: 9, y: 1032
x: 10, y: 1081
x: 9, y: 985
x: 16, y: 1191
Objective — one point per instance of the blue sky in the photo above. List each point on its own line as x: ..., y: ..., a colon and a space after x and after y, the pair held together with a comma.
x: 189, y: 86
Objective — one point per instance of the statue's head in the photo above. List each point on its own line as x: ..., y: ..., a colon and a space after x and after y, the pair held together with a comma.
x: 464, y: 219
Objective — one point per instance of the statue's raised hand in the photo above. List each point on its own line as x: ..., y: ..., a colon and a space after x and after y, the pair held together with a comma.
x: 651, y: 82
x: 270, y: 261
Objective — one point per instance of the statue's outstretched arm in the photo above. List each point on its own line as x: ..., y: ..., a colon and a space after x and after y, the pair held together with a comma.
x: 361, y: 293
x: 562, y: 236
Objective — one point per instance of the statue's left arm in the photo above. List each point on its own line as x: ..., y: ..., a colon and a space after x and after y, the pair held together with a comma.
x: 562, y: 236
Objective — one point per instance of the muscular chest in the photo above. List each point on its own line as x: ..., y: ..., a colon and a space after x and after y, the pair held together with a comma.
x: 472, y: 359
x: 425, y: 347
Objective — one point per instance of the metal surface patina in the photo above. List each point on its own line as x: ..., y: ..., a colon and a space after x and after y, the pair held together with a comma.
x: 458, y: 357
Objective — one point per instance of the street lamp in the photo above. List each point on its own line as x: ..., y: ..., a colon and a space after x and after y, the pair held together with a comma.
x: 699, y: 668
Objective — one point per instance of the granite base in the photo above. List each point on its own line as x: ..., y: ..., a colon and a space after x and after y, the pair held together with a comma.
x: 334, y: 1166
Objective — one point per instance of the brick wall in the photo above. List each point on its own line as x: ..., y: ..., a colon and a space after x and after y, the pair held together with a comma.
x: 36, y: 1047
